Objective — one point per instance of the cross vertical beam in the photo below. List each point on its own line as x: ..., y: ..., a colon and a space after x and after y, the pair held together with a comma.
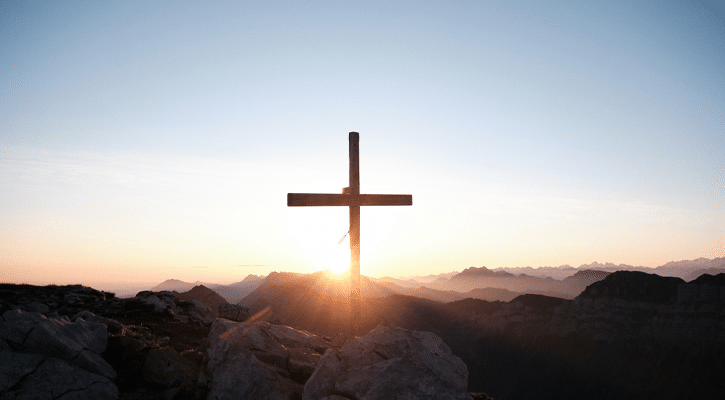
x: 354, y: 189
x: 351, y: 197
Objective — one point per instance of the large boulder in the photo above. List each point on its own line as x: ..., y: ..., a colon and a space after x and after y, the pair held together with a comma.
x: 166, y: 367
x: 49, y: 358
x: 80, y: 342
x: 390, y: 363
x: 258, y: 360
x: 31, y: 376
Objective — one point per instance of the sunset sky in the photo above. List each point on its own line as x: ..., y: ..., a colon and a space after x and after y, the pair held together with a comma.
x: 141, y: 141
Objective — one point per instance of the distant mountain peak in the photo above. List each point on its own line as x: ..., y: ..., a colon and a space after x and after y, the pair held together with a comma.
x: 474, y: 272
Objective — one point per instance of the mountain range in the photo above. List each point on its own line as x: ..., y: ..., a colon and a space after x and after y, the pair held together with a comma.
x: 503, y: 284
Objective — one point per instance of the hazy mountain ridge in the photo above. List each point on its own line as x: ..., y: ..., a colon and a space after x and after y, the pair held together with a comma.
x: 180, y: 286
x: 480, y: 283
x: 672, y: 268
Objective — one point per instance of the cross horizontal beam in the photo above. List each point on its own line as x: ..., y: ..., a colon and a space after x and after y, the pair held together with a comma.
x: 334, y: 199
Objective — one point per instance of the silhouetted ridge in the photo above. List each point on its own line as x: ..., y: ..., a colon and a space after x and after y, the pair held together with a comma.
x: 538, y: 301
x: 635, y: 286
x: 206, y: 296
x: 588, y: 275
x: 707, y: 279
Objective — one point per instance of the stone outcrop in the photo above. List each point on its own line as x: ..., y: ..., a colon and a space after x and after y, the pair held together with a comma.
x: 25, y: 376
x: 258, y: 360
x: 166, y: 367
x: 234, y: 312
x: 390, y: 363
x: 45, y: 357
x: 178, y: 308
x: 98, y: 346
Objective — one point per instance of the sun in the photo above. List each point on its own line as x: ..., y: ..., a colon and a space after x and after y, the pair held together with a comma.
x: 337, y: 260
x: 339, y: 269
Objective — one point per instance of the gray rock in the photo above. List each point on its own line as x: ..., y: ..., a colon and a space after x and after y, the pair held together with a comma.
x: 243, y: 376
x: 169, y: 368
x: 37, y: 307
x: 57, y: 379
x: 390, y: 363
x: 258, y: 360
x: 18, y: 324
x: 159, y: 305
x: 15, y: 366
x: 112, y: 326
x: 57, y: 337
x: 80, y: 342
x: 234, y: 312
x: 93, y: 362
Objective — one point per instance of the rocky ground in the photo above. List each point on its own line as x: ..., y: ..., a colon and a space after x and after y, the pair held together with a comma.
x: 136, y: 332
x: 631, y: 335
x: 74, y: 342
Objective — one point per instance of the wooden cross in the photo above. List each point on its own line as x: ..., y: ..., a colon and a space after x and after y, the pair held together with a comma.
x: 352, y: 198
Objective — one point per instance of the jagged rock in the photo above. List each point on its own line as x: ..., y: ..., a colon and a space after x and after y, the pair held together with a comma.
x: 234, y: 312
x: 390, y: 363
x: 258, y: 360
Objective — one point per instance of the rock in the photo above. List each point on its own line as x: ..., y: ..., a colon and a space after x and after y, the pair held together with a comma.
x: 66, y: 339
x: 15, y: 366
x: 56, y: 379
x: 80, y: 342
x: 112, y: 326
x: 209, y: 300
x: 154, y: 301
x: 168, y: 368
x: 390, y: 363
x: 17, y: 325
x: 258, y: 360
x: 234, y: 312
x: 37, y: 307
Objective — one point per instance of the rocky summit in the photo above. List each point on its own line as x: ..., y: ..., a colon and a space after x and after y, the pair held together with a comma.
x: 74, y: 342
x: 628, y: 335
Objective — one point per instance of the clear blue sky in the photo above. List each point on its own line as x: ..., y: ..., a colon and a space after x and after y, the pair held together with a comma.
x: 151, y: 140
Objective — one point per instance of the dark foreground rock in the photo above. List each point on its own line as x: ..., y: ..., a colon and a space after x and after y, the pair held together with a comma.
x: 76, y: 342
x: 42, y: 355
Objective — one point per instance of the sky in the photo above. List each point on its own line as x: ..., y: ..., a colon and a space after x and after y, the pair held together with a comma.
x: 142, y: 141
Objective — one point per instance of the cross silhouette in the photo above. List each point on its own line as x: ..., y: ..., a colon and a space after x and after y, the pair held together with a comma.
x: 352, y: 198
